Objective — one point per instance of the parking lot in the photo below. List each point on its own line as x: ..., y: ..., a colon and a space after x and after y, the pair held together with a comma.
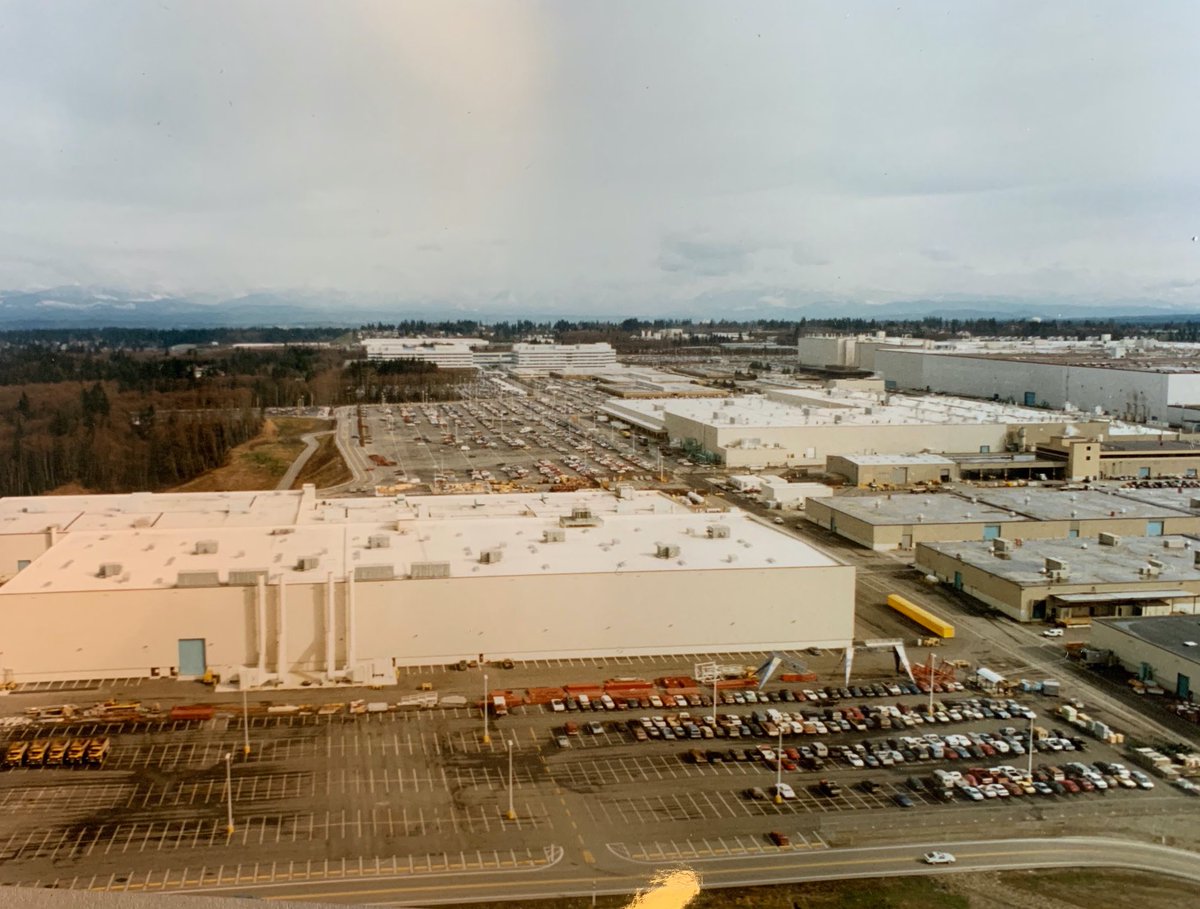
x: 537, y: 434
x: 421, y: 789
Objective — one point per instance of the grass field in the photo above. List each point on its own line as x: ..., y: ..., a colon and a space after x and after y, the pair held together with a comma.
x: 261, y: 462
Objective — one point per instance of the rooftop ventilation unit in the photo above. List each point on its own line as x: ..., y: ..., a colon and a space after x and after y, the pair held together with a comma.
x: 556, y: 535
x: 580, y: 516
x: 198, y: 579
x: 721, y: 532
x: 625, y: 492
x: 1055, y: 564
x: 424, y: 571
x: 374, y: 573
x: 379, y: 541
x: 281, y: 531
x: 246, y: 577
x: 1109, y: 539
x: 206, y: 547
x: 999, y: 544
x: 491, y: 556
x: 666, y: 550
x: 1174, y: 543
x: 109, y: 569
x: 1156, y: 564
x: 307, y: 563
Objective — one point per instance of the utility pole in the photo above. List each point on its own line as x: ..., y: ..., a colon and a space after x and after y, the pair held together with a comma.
x: 512, y: 814
x: 245, y: 724
x: 487, y: 739
x: 229, y: 792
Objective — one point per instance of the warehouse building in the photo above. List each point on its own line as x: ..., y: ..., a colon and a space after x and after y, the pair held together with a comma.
x: 1123, y: 458
x: 1070, y: 581
x: 445, y: 353
x: 1030, y: 513
x: 288, y: 586
x: 802, y: 427
x: 1162, y: 649
x: 544, y: 358
x: 892, y: 469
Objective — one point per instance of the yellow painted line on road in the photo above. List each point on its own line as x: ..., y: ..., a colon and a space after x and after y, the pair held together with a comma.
x: 588, y: 857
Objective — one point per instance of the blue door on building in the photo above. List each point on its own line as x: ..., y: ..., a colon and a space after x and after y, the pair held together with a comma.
x: 191, y: 657
x: 958, y: 580
x: 1030, y: 398
x: 1183, y: 685
x: 991, y: 531
x: 1154, y: 528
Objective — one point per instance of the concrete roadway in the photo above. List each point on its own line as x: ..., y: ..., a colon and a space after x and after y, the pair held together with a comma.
x: 621, y: 876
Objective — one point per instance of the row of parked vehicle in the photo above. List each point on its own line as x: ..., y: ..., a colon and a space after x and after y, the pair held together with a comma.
x: 979, y: 783
x: 741, y: 697
x: 90, y: 752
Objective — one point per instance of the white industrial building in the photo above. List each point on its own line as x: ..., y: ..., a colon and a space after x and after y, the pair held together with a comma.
x: 288, y: 586
x: 446, y: 353
x: 802, y: 427
x: 1123, y: 387
x: 552, y: 357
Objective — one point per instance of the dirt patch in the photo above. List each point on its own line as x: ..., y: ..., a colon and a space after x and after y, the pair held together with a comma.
x: 325, y: 468
x: 261, y: 462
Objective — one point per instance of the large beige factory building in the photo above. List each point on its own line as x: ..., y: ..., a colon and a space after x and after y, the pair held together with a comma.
x: 286, y: 584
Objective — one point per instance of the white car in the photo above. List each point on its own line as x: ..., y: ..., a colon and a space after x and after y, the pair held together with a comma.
x: 784, y: 791
x: 557, y: 706
x: 939, y: 858
x: 1052, y: 633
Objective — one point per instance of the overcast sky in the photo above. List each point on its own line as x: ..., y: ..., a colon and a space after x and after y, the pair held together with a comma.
x: 640, y: 152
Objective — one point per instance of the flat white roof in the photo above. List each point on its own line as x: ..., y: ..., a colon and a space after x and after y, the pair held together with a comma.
x: 453, y: 529
x: 897, y: 459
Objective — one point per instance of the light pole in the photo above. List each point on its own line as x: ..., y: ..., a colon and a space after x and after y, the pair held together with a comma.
x: 229, y: 792
x: 487, y: 739
x: 512, y: 814
x: 1029, y: 748
x: 245, y: 724
x: 932, y: 664
x: 779, y: 768
x: 714, y: 714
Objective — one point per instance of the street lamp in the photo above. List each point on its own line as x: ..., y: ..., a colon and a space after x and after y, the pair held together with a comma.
x: 487, y: 739
x: 932, y: 665
x: 779, y: 768
x: 229, y: 792
x: 1029, y: 748
x: 512, y: 814
x: 714, y: 713
x: 245, y: 724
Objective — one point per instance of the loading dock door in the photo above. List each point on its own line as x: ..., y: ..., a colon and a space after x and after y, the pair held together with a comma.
x: 1154, y: 528
x: 191, y: 657
x: 1183, y: 686
x: 1031, y: 399
x: 958, y: 580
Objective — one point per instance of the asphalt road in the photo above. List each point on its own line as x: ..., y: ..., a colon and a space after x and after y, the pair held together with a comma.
x: 564, y: 878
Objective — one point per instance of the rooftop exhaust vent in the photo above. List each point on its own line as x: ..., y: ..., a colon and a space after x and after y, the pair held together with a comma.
x: 424, y: 571
x: 109, y: 569
x: 307, y: 563
x: 206, y: 547
x: 490, y: 556
x: 555, y: 535
x: 666, y: 550
x: 718, y: 531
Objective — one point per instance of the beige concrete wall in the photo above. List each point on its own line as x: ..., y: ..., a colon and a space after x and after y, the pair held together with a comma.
x: 1132, y: 652
x: 126, y: 633
x: 20, y: 547
x: 1005, y: 596
x: 1159, y: 467
x: 886, y: 474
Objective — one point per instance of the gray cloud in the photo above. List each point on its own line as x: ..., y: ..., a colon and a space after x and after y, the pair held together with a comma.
x: 640, y: 153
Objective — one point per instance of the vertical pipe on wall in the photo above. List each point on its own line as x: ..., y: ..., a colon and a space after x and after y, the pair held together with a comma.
x: 350, y: 623
x: 260, y: 623
x: 281, y: 666
x: 330, y: 630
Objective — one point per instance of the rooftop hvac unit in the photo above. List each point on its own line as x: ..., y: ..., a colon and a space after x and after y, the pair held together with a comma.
x: 374, y: 573
x: 556, y: 535
x: 109, y: 569
x: 491, y: 556
x: 246, y: 577
x: 666, y: 550
x: 999, y: 544
x: 721, y: 532
x: 1055, y: 564
x: 281, y: 531
x: 198, y: 579
x: 1060, y: 574
x: 625, y: 492
x: 379, y: 541
x: 1174, y: 543
x: 206, y: 547
x: 1196, y: 558
x: 580, y: 516
x: 1156, y: 564
x: 308, y: 563
x: 424, y: 571
x: 1109, y: 539
x: 1194, y: 503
